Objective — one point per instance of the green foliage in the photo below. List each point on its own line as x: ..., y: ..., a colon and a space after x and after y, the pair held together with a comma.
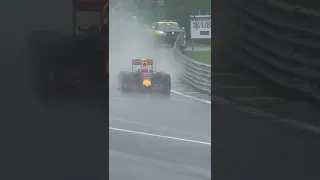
x: 188, y: 5
x: 180, y: 10
x: 201, y: 56
x: 146, y: 15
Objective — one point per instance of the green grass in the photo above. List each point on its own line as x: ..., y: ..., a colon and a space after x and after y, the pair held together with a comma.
x: 198, y: 44
x: 201, y: 56
x: 202, y: 43
x: 310, y: 4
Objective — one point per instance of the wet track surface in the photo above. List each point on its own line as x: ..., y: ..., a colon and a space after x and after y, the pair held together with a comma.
x: 146, y: 156
x: 162, y: 115
x: 155, y: 136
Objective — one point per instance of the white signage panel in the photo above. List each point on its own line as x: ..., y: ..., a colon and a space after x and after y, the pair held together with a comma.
x: 200, y: 26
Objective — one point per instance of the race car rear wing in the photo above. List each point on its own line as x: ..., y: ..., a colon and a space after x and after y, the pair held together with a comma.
x: 140, y: 61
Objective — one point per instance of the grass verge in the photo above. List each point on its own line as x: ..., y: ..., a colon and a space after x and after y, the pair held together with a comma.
x: 201, y: 56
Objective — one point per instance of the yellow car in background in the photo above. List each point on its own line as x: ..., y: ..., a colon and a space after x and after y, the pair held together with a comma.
x: 166, y: 32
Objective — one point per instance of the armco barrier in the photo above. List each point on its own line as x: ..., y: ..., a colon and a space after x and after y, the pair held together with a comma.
x: 194, y: 73
x: 280, y: 41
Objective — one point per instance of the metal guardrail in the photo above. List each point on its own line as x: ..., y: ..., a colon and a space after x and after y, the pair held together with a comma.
x: 280, y: 41
x: 194, y: 73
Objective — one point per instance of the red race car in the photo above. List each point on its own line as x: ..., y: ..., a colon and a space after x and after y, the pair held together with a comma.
x: 143, y: 78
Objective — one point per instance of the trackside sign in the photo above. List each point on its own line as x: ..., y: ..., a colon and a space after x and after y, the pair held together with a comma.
x: 200, y: 26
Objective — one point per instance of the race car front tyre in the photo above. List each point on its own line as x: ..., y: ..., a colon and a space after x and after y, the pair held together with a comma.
x: 166, y: 80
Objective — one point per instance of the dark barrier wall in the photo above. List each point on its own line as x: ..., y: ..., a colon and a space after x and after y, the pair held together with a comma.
x: 37, y: 139
x: 223, y: 27
x: 278, y: 40
x: 89, y: 4
x: 275, y: 39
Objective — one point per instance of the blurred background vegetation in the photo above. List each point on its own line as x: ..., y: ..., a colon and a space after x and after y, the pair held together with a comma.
x: 177, y: 10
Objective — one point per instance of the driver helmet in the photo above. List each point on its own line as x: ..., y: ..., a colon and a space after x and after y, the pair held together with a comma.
x: 144, y: 67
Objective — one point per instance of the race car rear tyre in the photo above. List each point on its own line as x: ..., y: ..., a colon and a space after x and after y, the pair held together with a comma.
x: 166, y: 84
x: 121, y: 76
x: 126, y: 79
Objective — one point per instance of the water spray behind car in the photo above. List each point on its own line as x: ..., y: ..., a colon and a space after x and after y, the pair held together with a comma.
x: 131, y: 38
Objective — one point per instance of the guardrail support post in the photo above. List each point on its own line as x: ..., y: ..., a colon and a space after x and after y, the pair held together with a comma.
x: 192, y: 45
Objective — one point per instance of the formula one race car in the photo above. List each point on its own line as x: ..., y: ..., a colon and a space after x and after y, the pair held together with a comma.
x: 144, y: 79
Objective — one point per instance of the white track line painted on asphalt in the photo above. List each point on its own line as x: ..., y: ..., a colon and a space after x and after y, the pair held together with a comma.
x: 191, y: 92
x: 154, y: 126
x: 259, y: 112
x: 149, y: 99
x: 159, y: 136
x: 190, y: 97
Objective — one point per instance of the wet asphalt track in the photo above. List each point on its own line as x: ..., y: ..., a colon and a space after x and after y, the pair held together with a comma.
x: 156, y: 146
x: 147, y: 156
